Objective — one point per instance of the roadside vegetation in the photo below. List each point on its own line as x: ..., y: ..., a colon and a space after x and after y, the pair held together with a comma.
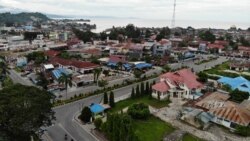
x: 190, y: 137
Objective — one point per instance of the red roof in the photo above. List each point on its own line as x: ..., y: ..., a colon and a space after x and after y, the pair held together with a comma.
x: 223, y: 43
x: 52, y: 53
x: 75, y: 63
x: 93, y: 51
x: 243, y: 48
x: 117, y: 58
x: 217, y: 46
x: 185, y: 76
x: 161, y: 86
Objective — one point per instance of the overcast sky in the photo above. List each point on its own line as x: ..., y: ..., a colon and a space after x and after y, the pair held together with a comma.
x: 202, y: 10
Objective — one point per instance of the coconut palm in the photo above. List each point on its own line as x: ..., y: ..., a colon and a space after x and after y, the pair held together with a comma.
x: 97, y: 73
x: 66, y: 79
x: 119, y: 65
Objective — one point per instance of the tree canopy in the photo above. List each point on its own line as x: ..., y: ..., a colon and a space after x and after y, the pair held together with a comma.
x: 23, y: 110
x: 238, y: 95
x: 207, y: 36
x: 119, y: 127
x: 139, y: 111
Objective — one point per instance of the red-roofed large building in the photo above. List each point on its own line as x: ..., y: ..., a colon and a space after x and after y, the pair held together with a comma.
x: 75, y: 65
x: 244, y: 51
x: 179, y: 84
x: 216, y: 47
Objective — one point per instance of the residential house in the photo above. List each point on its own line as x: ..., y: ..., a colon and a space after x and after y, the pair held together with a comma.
x: 162, y: 48
x: 215, y: 48
x: 136, y: 51
x: 239, y: 83
x: 240, y: 65
x: 179, y: 84
x: 226, y: 113
x: 74, y: 65
x: 244, y: 51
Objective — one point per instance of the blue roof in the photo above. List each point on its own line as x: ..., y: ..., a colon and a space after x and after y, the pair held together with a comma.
x: 112, y: 64
x: 58, y: 72
x: 236, y: 83
x: 96, y: 108
x: 143, y: 65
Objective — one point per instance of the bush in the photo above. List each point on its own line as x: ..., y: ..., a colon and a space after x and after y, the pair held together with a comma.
x: 139, y: 111
x: 98, y: 123
x: 85, y: 115
x: 243, y: 131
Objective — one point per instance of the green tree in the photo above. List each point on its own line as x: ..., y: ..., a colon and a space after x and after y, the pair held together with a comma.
x: 111, y: 99
x: 166, y: 68
x: 242, y: 130
x: 24, y: 110
x: 97, y: 73
x: 147, y: 90
x: 119, y: 65
x: 105, y: 98
x: 203, y: 77
x: 137, y: 74
x: 42, y: 81
x: 133, y: 93
x: 7, y: 82
x: 238, y: 95
x: 66, y: 79
x: 102, y: 83
x: 207, y: 36
x: 98, y: 123
x: 37, y: 57
x: 137, y: 91
x: 119, y: 127
x: 142, y: 88
x: 85, y: 115
x: 139, y: 111
x: 3, y: 70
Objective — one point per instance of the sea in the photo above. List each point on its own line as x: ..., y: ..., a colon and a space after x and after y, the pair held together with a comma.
x: 106, y: 23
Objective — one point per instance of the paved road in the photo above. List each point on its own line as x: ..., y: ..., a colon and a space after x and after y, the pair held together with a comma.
x: 19, y: 79
x: 201, y: 67
x: 65, y: 115
x: 76, y: 91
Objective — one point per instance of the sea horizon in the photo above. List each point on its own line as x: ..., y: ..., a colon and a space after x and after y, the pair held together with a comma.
x: 103, y: 23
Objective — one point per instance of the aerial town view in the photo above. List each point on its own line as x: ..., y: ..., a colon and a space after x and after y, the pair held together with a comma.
x: 115, y: 70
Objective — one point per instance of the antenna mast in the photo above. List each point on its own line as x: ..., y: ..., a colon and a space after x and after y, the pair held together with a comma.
x: 173, y: 18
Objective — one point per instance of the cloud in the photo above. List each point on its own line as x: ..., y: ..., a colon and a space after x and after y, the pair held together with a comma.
x: 210, y: 10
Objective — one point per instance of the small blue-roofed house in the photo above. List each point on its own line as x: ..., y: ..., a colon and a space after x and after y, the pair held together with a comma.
x: 58, y: 72
x: 236, y: 83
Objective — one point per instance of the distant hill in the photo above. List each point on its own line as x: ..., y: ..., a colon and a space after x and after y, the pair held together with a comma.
x: 24, y: 17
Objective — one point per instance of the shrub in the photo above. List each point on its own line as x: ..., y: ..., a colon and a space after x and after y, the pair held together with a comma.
x: 98, y: 123
x: 85, y: 115
x: 139, y: 111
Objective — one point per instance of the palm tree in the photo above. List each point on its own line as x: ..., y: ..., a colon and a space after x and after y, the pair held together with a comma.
x: 97, y: 73
x: 66, y: 79
x: 119, y: 65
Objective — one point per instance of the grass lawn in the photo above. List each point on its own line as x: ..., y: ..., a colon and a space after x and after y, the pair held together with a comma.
x: 150, y: 101
x: 189, y: 137
x: 152, y: 129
